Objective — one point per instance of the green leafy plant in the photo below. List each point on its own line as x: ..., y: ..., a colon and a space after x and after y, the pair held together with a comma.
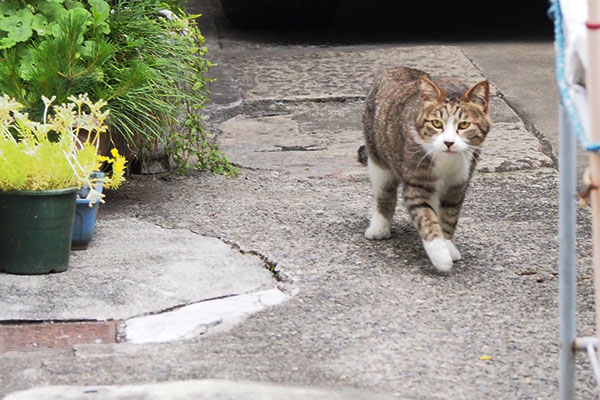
x: 25, y: 20
x: 149, y: 69
x: 191, y: 149
x: 69, y: 63
x: 59, y: 152
x: 176, y: 66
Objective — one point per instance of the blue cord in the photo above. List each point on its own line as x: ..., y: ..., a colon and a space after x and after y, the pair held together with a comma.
x: 563, y: 89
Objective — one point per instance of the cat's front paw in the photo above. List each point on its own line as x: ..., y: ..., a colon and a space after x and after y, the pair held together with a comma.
x: 439, y: 253
x: 453, y: 251
x: 379, y: 229
x: 378, y: 232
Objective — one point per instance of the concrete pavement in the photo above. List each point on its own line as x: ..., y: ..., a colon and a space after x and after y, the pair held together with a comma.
x: 325, y: 313
x: 193, y: 390
x: 122, y: 275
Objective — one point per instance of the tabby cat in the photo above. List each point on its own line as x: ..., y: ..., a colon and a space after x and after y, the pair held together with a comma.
x: 423, y: 134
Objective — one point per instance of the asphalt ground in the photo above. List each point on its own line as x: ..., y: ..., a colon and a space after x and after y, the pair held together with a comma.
x: 357, y: 319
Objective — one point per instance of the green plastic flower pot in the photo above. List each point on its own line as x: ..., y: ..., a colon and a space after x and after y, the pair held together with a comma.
x: 36, y: 229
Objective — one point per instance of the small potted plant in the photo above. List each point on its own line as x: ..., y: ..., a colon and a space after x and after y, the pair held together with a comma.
x: 86, y: 211
x: 42, y: 166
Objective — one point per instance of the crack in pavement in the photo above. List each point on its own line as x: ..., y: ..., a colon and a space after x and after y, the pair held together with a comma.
x: 271, y: 265
x: 282, y: 148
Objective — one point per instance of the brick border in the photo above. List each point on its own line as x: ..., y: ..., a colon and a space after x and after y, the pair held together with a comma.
x: 28, y: 336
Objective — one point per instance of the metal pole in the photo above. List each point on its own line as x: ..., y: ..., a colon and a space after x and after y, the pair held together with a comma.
x: 582, y: 343
x: 567, y: 257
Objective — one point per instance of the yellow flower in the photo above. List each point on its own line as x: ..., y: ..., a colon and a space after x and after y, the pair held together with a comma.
x: 118, y: 170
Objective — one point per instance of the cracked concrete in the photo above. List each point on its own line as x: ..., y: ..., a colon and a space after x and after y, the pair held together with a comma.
x: 254, y: 140
x: 134, y: 268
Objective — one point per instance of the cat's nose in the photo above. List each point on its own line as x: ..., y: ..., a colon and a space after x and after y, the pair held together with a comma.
x: 448, y: 144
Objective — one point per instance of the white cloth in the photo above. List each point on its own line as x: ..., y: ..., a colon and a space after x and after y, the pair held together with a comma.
x: 575, y: 34
x: 574, y: 18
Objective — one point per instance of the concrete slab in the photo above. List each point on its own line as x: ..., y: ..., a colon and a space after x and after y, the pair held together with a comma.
x: 510, y: 146
x: 526, y: 74
x: 133, y: 268
x: 316, y: 124
x: 311, y: 73
x: 193, y: 390
x: 321, y: 139
x: 276, y: 143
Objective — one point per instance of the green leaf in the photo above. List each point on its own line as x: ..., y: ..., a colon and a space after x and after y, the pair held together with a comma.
x: 18, y: 26
x: 71, y: 4
x: 88, y: 49
x: 51, y: 10
x: 103, y: 27
x: 100, y: 9
x: 21, y: 17
x: 39, y: 23
x: 7, y: 42
x: 8, y: 7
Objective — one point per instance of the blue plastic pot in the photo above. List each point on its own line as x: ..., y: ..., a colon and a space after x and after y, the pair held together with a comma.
x: 85, y: 219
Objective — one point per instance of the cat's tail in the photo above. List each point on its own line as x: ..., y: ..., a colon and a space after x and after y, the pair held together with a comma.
x: 363, y: 157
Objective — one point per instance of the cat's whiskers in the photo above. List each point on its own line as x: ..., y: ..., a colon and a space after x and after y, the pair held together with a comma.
x: 427, y: 154
x: 472, y: 148
x: 472, y: 154
x: 436, y: 154
x: 467, y: 156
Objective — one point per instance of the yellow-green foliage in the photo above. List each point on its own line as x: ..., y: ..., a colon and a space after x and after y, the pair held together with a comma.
x: 59, y: 152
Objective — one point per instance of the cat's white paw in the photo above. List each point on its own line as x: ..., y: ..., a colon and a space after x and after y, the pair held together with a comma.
x: 439, y: 254
x: 380, y: 228
x: 453, y: 251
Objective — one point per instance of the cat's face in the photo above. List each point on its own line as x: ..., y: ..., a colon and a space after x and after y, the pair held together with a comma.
x: 453, y: 124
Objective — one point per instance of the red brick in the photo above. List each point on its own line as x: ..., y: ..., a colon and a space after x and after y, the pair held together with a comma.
x: 48, y: 335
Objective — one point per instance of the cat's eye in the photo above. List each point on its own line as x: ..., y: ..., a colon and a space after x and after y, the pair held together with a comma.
x: 437, y: 123
x: 464, y: 125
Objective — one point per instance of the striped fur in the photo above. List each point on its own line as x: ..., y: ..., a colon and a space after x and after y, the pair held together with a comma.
x: 423, y: 135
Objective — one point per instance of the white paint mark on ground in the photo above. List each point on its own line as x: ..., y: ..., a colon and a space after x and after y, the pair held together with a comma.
x: 197, y: 319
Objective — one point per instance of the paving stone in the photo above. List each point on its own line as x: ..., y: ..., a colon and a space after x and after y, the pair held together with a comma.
x: 316, y: 73
x: 49, y: 335
x: 321, y: 140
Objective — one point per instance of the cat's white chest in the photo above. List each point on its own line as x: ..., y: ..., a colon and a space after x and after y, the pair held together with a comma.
x: 450, y: 169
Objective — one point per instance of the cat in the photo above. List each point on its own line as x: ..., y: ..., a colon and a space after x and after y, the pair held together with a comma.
x: 423, y: 134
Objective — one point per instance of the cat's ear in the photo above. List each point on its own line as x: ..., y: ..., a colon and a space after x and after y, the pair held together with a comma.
x: 430, y: 91
x: 479, y: 94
